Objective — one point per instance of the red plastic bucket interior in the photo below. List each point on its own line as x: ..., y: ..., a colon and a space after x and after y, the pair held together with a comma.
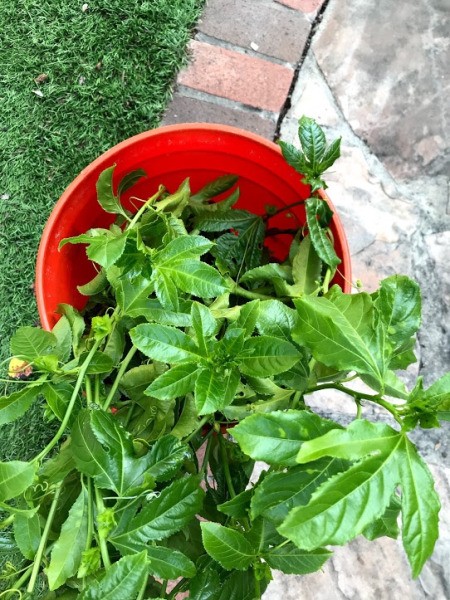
x: 169, y: 154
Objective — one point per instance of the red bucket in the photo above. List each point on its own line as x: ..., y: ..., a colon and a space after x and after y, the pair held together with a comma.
x: 169, y: 154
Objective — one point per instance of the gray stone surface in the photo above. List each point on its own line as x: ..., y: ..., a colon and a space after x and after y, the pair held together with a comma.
x: 377, y: 74
x: 387, y: 64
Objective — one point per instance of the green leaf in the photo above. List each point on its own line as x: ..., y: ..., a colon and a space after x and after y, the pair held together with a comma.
x: 99, y: 364
x: 176, y: 382
x: 76, y: 323
x: 129, y: 180
x: 215, y: 389
x: 204, y: 324
x: 105, y: 194
x: 239, y: 506
x: 106, y: 250
x: 332, y: 153
x: 293, y: 157
x: 205, y: 586
x: 182, y: 248
x: 67, y: 552
x: 359, y: 439
x: 122, y: 581
x: 194, y: 277
x: 345, y: 504
x: 320, y: 241
x: 265, y: 355
x: 164, y: 343
x: 30, y: 343
x: 312, y: 139
x: 279, y: 493
x: 132, y: 294
x: 399, y: 304
x: 215, y: 188
x: 276, y: 319
x: 16, y: 404
x: 340, y: 333
x: 294, y: 561
x: 227, y: 546
x: 166, y: 290
x: 420, y: 508
x: 168, y: 563
x: 57, y: 396
x: 27, y: 533
x: 306, y: 267
x: 387, y: 524
x: 63, y: 334
x: 248, y: 316
x: 277, y: 437
x: 268, y: 273
x: 166, y: 457
x: 164, y: 515
x: 15, y: 478
x: 103, y: 449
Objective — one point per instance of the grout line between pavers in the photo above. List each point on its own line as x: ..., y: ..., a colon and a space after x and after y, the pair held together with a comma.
x: 209, y: 39
x: 288, y: 102
x: 189, y: 92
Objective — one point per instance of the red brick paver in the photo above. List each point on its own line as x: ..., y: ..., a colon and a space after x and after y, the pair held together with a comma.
x: 266, y: 27
x: 305, y: 6
x: 236, y: 76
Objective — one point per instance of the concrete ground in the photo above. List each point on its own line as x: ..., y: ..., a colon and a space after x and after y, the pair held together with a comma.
x: 376, y: 73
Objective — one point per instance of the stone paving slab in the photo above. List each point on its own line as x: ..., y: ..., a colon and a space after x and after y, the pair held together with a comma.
x: 306, y: 6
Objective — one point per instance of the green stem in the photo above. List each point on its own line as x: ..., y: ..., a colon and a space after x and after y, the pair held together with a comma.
x: 203, y: 422
x: 178, y: 588
x: 240, y: 291
x: 88, y: 388
x: 326, y: 280
x: 97, y: 389
x: 283, y: 209
x: 90, y: 515
x: 43, y: 542
x: 296, y: 400
x: 257, y: 584
x: 120, y: 372
x: 19, y: 583
x: 65, y: 421
x: 6, y: 522
x: 357, y: 396
x: 202, y: 471
x: 101, y: 538
x: 358, y: 409
x: 163, y: 588
x: 143, y: 588
x: 144, y: 207
x: 226, y: 466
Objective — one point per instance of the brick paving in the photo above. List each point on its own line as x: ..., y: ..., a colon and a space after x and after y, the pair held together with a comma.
x: 242, y: 63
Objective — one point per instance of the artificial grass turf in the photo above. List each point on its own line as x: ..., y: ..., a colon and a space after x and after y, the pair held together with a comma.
x: 73, y: 82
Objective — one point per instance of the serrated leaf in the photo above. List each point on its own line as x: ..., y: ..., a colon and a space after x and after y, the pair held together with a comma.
x: 76, y: 323
x: 293, y: 561
x: 239, y: 506
x: 420, y: 508
x: 293, y: 157
x: 106, y: 250
x: 168, y: 563
x: 16, y: 404
x: 196, y: 278
x: 358, y: 440
x: 122, y: 581
x: 306, y: 267
x: 267, y: 273
x: 129, y: 180
x: 279, y: 493
x: 164, y: 515
x: 182, y: 248
x: 312, y: 140
x: 265, y: 355
x: 214, y: 188
x: 227, y: 546
x: 15, y: 477
x: 332, y: 153
x: 27, y: 533
x: 176, y: 382
x: 164, y: 343
x: 399, y: 304
x: 277, y: 437
x: 63, y: 334
x: 276, y: 319
x: 345, y: 504
x: 340, y: 333
x: 105, y: 194
x: 67, y: 552
x: 30, y: 343
x: 320, y: 241
x: 387, y: 524
x: 166, y: 290
x: 214, y: 390
x: 204, y: 324
x: 205, y: 586
x: 166, y: 457
x: 57, y: 396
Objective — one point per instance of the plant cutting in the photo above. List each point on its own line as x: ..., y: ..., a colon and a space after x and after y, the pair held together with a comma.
x: 195, y: 356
